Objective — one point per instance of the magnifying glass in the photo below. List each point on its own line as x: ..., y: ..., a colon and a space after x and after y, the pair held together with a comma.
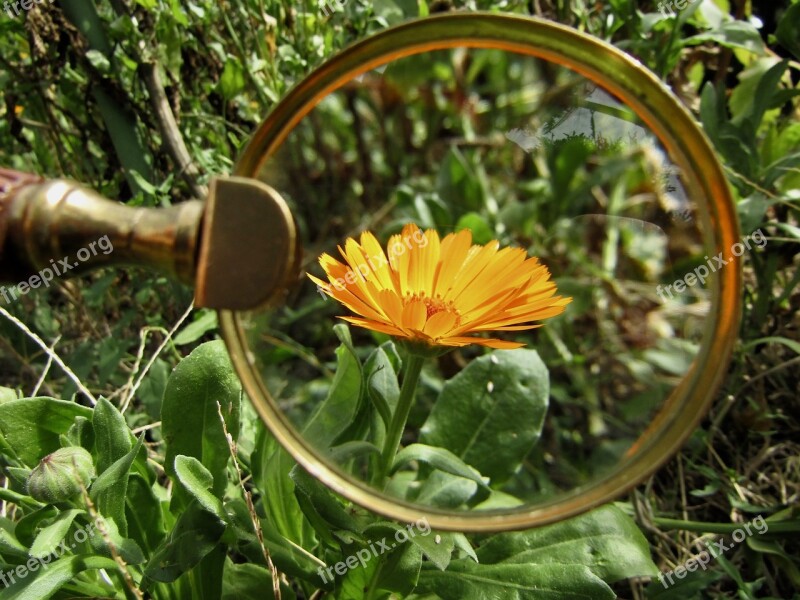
x: 512, y: 138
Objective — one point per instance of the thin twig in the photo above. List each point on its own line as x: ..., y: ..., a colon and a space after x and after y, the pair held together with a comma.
x: 153, y: 358
x: 168, y: 127
x: 46, y: 369
x: 138, y: 362
x: 276, y: 581
x: 51, y: 353
x: 123, y: 567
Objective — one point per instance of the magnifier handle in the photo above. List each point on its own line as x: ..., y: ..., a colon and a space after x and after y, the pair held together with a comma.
x: 57, y: 228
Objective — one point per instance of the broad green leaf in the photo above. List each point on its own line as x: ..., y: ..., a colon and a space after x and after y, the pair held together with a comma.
x: 339, y: 409
x: 206, y: 576
x: 788, y: 32
x: 81, y: 433
x: 606, y: 540
x: 250, y: 582
x: 743, y: 96
x: 352, y: 585
x: 31, y: 427
x: 27, y: 527
x: 481, y: 231
x: 444, y: 490
x: 324, y: 502
x: 198, y: 481
x: 43, y: 583
x: 232, y: 81
x: 7, y: 395
x: 752, y: 210
x: 732, y: 34
x: 49, y: 538
x: 438, y: 458
x: 400, y: 572
x: 206, y: 321
x: 195, y: 535
x: 349, y: 450
x: 110, y: 489
x: 466, y: 580
x: 689, y: 587
x: 112, y: 436
x: 437, y: 547
x: 125, y: 547
x: 270, y: 466
x: 144, y: 514
x: 382, y: 384
x: 490, y: 415
x: 190, y: 422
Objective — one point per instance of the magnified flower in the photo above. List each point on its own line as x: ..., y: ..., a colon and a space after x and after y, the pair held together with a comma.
x: 437, y: 292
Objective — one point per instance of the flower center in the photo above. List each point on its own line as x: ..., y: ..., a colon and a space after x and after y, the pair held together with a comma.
x: 435, y: 305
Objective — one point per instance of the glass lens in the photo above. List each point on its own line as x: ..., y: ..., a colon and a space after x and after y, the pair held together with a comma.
x: 519, y: 151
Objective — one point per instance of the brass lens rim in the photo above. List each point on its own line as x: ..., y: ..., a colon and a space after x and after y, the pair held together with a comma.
x: 687, y: 147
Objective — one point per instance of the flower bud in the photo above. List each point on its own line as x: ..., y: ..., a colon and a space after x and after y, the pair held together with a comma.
x: 61, y: 475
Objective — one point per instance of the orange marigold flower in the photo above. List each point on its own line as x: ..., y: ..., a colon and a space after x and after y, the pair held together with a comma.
x: 435, y: 292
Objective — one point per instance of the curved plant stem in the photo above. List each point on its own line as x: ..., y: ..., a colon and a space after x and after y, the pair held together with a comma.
x: 400, y: 416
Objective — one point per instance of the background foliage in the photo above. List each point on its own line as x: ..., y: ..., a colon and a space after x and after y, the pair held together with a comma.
x: 80, y: 83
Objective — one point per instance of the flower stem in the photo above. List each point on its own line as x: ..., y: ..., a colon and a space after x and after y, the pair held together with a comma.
x: 398, y: 424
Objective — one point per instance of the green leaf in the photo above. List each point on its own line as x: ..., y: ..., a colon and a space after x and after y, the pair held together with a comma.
x: 438, y: 458
x: 751, y: 210
x: 491, y: 414
x: 43, y: 583
x: 232, y: 81
x: 288, y: 558
x: 340, y: 407
x: 467, y: 580
x: 732, y: 34
x: 250, y: 582
x: 324, y: 502
x: 690, y: 587
x: 270, y: 466
x: 791, y: 344
x: 7, y: 395
x: 481, y: 231
x: 788, y: 32
x: 49, y: 538
x: 349, y: 450
x: 195, y: 535
x: 190, y: 420
x: 437, y: 547
x: 112, y: 436
x: 99, y: 61
x: 606, y: 540
x: 144, y: 513
x: 205, y: 321
x: 32, y: 427
x: 444, y: 490
x: 110, y: 488
x: 352, y: 585
x: 125, y: 547
x: 400, y: 572
x: 198, y: 481
x: 711, y: 111
x: 382, y: 385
